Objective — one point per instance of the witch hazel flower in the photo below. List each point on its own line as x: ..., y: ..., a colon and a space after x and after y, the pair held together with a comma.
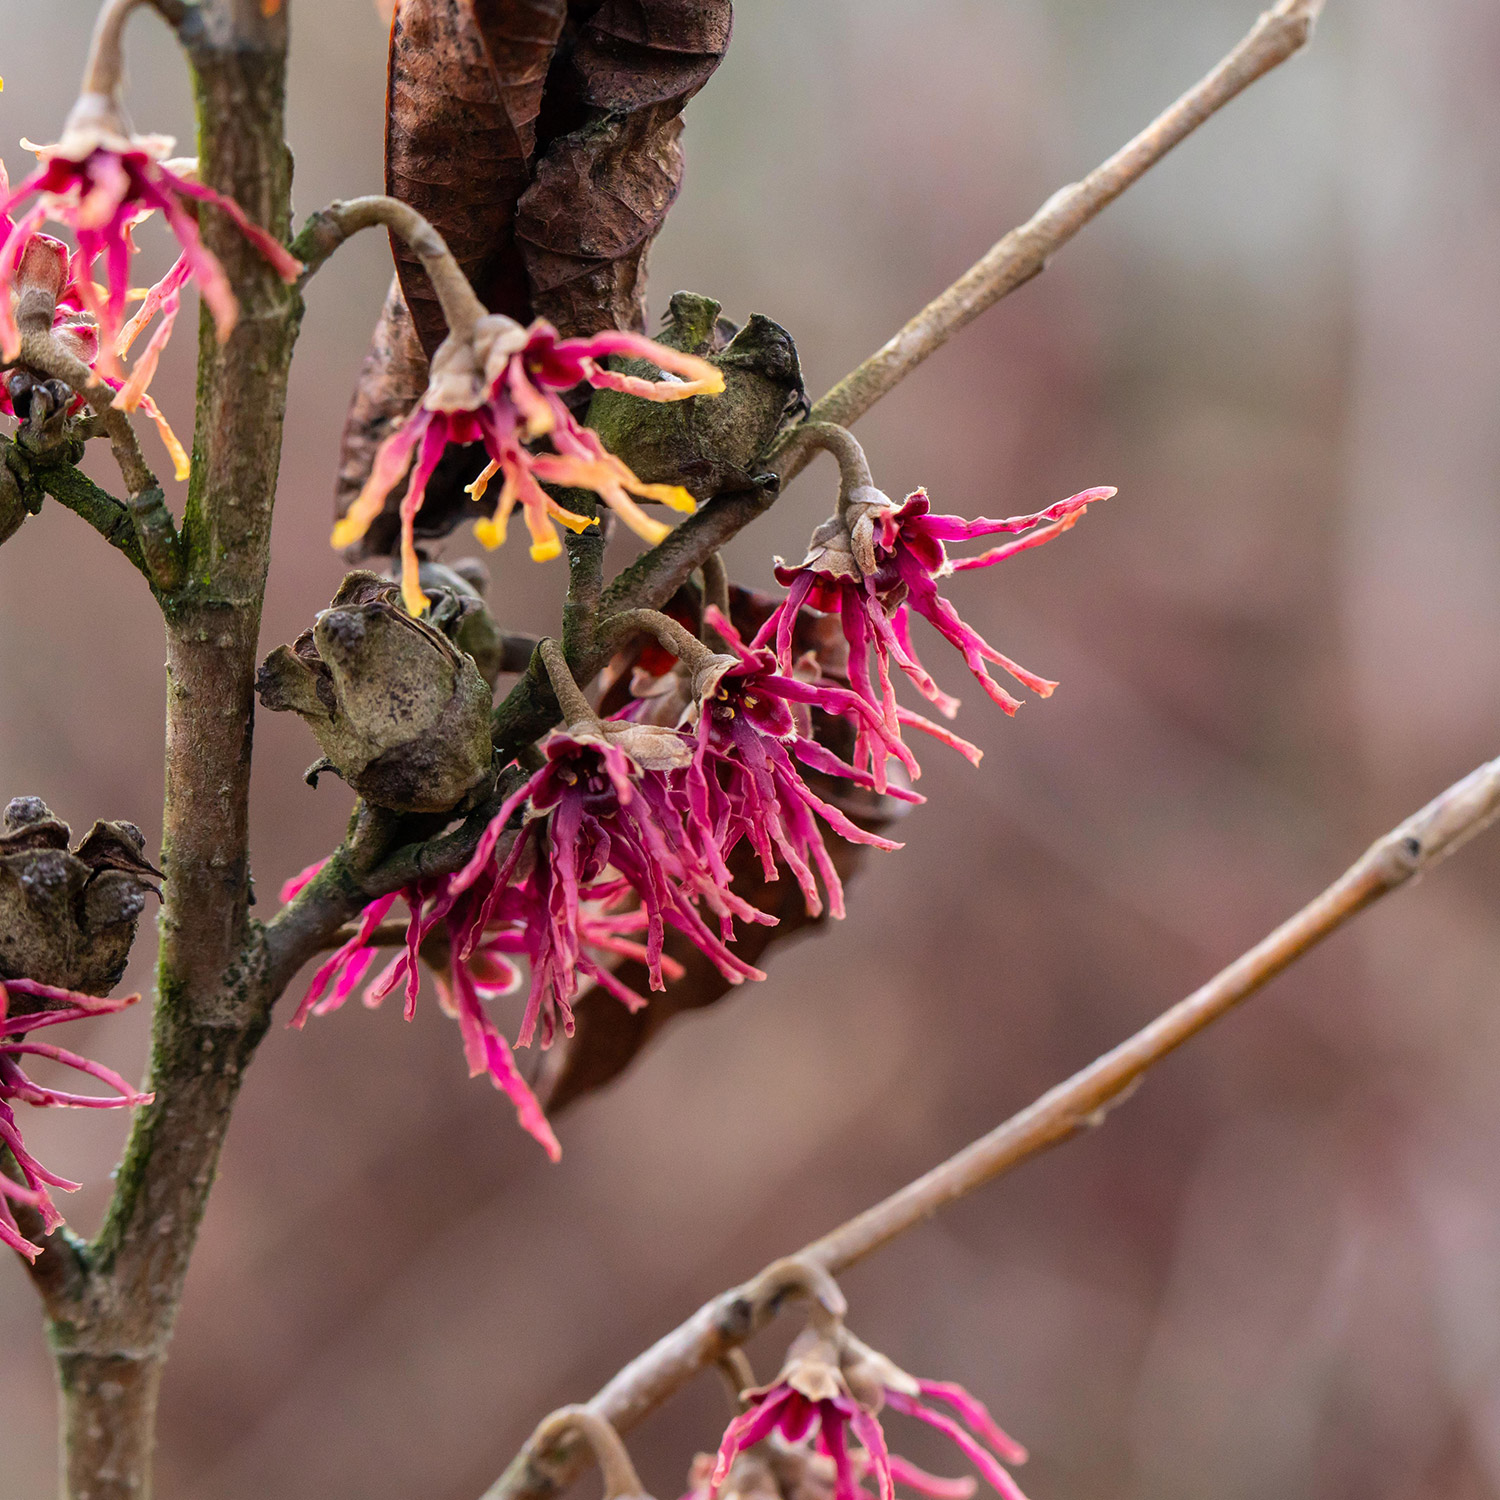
x: 752, y: 725
x: 602, y: 823
x: 875, y: 563
x: 96, y: 180
x: 99, y: 179
x: 18, y: 1044
x: 831, y: 1390
x: 496, y: 383
x: 777, y: 1470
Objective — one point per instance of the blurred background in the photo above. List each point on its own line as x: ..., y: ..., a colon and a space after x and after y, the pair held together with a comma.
x: 1277, y: 1270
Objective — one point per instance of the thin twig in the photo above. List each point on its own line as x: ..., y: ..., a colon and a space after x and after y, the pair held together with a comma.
x: 1013, y: 261
x: 1277, y: 35
x: 821, y: 435
x: 670, y: 634
x: 1441, y: 827
x: 581, y: 1424
x: 327, y: 229
x: 576, y: 709
x: 104, y: 70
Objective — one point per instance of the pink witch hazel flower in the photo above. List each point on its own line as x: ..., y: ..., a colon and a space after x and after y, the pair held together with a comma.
x: 753, y: 724
x: 470, y: 928
x: 100, y: 179
x: 17, y: 1044
x: 777, y: 1470
x: 499, y: 384
x: 831, y: 1390
x: 603, y: 824
x: 874, y: 563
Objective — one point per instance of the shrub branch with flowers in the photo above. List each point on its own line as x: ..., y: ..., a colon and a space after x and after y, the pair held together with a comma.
x: 677, y: 748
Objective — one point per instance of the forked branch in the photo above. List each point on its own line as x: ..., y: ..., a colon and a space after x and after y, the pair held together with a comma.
x: 1429, y: 836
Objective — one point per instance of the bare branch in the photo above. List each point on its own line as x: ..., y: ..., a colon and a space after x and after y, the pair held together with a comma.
x: 1277, y: 35
x: 1421, y: 842
x: 327, y: 229
x: 1013, y: 261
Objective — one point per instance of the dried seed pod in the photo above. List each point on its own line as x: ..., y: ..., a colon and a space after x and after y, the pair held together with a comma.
x: 401, y: 713
x: 707, y: 446
x: 68, y: 916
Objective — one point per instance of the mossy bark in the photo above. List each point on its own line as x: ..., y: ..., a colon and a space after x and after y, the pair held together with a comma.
x: 112, y: 1319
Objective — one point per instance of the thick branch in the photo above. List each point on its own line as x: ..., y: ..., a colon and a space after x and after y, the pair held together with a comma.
x: 1024, y: 252
x: 213, y: 1003
x: 1428, y: 837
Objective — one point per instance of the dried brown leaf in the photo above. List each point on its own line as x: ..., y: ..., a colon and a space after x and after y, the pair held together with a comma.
x: 603, y: 187
x: 465, y: 89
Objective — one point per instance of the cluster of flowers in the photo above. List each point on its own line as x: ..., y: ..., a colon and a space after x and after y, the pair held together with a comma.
x: 628, y: 826
x: 16, y: 1045
x: 101, y: 181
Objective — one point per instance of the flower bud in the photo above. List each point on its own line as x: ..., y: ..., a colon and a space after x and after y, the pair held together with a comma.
x: 400, y: 712
x: 68, y: 916
x: 40, y: 278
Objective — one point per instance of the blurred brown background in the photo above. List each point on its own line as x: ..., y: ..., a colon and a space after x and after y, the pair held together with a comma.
x: 1277, y: 1270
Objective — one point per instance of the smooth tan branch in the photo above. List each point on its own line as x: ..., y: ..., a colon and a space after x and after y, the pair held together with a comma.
x: 1023, y: 253
x: 1422, y: 841
x: 327, y: 229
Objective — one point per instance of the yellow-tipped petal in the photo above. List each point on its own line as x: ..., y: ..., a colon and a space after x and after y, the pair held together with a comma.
x: 181, y: 465
x: 491, y: 529
x: 545, y: 551
x: 490, y: 533
x: 411, y: 591
x: 392, y: 459
x: 672, y: 495
x: 637, y: 519
x: 696, y: 376
x: 571, y: 519
x: 356, y: 520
